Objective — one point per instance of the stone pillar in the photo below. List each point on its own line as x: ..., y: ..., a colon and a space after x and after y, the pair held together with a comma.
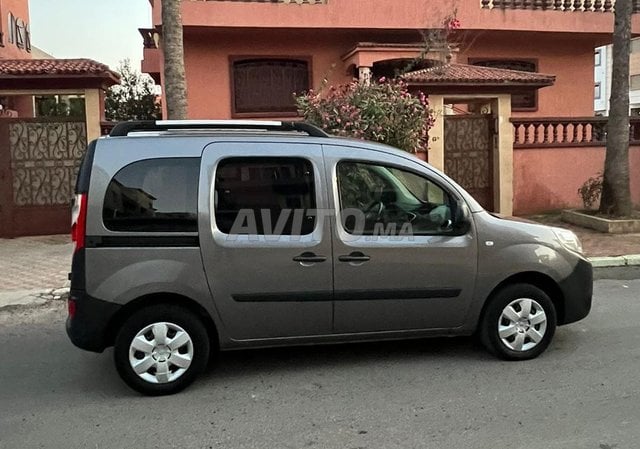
x: 503, y: 156
x: 102, y: 94
x: 93, y: 113
x: 364, y: 75
x: 436, y: 134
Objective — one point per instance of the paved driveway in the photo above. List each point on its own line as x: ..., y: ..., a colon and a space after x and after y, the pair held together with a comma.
x: 31, y: 267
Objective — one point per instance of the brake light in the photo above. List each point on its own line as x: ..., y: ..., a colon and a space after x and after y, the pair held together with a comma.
x: 71, y: 306
x: 79, y: 221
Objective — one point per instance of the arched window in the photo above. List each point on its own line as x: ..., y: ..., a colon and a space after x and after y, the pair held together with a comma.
x: 267, y: 85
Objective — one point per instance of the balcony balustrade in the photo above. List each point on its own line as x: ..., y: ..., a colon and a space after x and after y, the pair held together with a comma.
x: 557, y: 5
x: 566, y: 132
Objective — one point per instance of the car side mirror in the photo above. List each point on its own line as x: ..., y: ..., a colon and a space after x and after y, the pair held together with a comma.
x: 460, y: 218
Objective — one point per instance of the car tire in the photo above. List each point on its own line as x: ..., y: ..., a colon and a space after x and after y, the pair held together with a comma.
x: 161, y: 349
x: 518, y: 323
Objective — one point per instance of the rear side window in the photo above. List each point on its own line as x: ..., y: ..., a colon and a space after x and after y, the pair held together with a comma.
x: 154, y: 195
x: 265, y: 196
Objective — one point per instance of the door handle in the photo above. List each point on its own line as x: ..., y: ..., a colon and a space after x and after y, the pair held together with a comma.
x: 355, y: 256
x: 309, y: 257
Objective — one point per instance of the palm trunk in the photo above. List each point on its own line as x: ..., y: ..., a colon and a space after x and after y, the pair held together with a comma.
x: 175, y: 83
x: 616, y: 193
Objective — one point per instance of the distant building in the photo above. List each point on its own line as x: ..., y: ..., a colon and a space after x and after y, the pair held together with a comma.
x: 602, y: 78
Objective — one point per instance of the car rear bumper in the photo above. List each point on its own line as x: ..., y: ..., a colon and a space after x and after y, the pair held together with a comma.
x: 577, y: 290
x: 89, y: 327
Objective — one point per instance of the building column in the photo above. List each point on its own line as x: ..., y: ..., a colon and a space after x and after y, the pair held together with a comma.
x: 102, y: 98
x: 436, y: 133
x: 93, y: 113
x: 503, y: 156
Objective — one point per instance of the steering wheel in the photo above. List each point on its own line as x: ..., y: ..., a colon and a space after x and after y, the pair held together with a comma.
x: 374, y: 210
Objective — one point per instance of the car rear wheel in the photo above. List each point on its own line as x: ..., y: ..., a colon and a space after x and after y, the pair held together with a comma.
x: 518, y: 323
x: 161, y: 349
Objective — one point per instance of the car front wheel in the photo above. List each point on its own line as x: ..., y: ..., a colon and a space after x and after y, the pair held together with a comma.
x: 518, y: 323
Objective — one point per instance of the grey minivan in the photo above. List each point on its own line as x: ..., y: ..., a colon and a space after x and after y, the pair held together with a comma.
x: 194, y: 236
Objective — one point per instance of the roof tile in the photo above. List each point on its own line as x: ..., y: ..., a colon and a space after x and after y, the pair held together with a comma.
x: 464, y: 73
x: 27, y: 67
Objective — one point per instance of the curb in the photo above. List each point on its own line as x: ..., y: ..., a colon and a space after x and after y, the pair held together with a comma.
x: 629, y: 260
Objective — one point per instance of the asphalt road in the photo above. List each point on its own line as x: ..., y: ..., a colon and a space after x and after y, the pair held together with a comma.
x: 584, y: 392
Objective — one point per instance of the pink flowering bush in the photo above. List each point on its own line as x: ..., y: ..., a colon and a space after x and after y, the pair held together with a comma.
x: 382, y: 111
x: 451, y: 24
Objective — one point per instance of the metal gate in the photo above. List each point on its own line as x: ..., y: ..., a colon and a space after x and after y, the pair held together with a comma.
x: 39, y: 160
x: 468, y: 154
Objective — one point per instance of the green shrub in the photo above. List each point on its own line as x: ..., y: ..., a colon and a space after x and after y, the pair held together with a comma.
x: 591, y: 190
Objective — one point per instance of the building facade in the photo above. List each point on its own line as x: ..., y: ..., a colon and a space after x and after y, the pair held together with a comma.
x: 15, y: 43
x: 245, y: 59
x: 15, y: 32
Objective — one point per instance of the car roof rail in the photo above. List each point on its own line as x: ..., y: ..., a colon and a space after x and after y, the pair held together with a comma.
x: 124, y: 128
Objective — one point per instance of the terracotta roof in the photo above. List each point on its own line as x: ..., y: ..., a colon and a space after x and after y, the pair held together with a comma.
x: 55, y: 67
x: 477, y: 75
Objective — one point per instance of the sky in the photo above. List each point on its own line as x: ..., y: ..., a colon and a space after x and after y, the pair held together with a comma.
x: 106, y: 31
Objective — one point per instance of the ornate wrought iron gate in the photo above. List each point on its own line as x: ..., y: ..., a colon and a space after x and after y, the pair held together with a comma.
x: 39, y: 160
x: 468, y: 151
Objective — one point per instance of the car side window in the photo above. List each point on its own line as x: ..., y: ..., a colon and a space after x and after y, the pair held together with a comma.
x: 386, y: 200
x: 154, y: 195
x: 265, y: 196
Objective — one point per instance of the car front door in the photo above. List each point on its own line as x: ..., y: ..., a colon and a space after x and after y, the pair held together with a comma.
x: 403, y: 260
x: 266, y: 255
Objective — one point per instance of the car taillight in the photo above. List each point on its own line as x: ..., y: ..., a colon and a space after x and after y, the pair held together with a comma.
x: 71, y: 306
x: 79, y: 221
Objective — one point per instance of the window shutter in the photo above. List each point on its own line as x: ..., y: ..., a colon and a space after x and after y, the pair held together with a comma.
x: 268, y: 85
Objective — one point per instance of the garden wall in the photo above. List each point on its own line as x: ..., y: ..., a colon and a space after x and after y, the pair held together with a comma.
x: 548, y: 178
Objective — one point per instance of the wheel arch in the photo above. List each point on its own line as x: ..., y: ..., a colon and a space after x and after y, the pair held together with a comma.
x: 153, y: 299
x: 537, y: 279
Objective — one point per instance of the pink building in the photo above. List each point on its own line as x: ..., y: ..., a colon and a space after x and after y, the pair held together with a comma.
x: 41, y: 143
x: 522, y: 141
x: 15, y: 43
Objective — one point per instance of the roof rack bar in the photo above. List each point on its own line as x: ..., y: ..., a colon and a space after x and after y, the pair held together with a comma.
x: 124, y: 128
x: 308, y: 128
x: 179, y: 123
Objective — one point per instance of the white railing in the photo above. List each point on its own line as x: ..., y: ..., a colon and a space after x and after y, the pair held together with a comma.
x: 556, y: 5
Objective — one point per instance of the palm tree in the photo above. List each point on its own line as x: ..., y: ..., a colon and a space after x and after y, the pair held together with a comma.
x: 175, y: 83
x: 616, y: 193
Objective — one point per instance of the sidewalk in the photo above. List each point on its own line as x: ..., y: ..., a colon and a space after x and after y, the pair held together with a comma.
x: 34, y: 269
x: 604, y: 250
